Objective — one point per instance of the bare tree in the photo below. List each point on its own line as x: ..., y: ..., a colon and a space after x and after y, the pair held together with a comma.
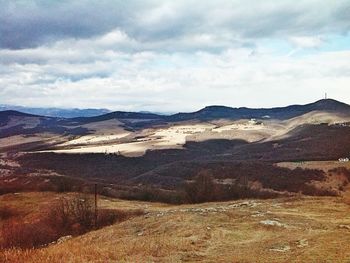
x: 77, y: 213
x: 203, y: 189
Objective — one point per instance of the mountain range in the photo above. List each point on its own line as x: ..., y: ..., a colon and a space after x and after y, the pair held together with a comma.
x: 14, y: 122
x: 134, y: 149
x: 55, y: 112
x: 207, y: 113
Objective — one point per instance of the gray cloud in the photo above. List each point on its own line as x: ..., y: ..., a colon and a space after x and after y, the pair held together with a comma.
x: 32, y: 23
x: 26, y: 24
x: 171, y: 55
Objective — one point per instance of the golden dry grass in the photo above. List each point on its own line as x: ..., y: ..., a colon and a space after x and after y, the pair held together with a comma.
x: 313, y: 230
x: 322, y: 165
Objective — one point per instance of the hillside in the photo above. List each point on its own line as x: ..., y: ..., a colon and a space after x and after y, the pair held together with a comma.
x: 218, y: 185
x: 280, y: 230
x: 281, y: 113
x: 133, y: 134
x: 133, y: 151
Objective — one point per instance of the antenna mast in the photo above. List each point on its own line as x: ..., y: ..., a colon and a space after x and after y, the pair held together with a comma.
x: 325, y: 96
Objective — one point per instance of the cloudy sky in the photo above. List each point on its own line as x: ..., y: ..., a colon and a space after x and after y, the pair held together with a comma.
x: 169, y: 56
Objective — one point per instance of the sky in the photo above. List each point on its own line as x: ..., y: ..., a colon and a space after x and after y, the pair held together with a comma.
x: 171, y: 56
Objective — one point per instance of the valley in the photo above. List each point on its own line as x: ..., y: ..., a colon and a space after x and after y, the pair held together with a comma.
x: 218, y: 185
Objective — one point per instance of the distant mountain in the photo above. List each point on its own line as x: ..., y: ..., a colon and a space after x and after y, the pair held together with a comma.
x: 19, y: 123
x: 223, y: 112
x: 7, y: 113
x: 139, y: 120
x: 218, y: 112
x: 5, y: 116
x: 207, y: 113
x: 56, y: 112
x: 121, y: 115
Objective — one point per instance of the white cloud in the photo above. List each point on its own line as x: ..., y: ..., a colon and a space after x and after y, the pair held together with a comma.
x: 28, y: 24
x: 172, y: 56
x: 306, y: 41
x: 170, y: 82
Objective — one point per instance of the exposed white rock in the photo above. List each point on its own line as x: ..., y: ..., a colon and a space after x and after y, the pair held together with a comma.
x: 302, y: 243
x: 280, y: 248
x: 63, y: 239
x: 271, y: 223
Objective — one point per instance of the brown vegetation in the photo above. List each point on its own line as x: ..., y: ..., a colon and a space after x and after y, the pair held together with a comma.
x: 312, y: 229
x: 67, y: 216
x: 7, y: 212
x: 202, y: 189
x: 341, y: 171
x: 166, y: 183
x: 26, y: 235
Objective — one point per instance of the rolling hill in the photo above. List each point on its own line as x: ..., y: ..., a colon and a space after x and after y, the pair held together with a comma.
x: 275, y: 173
x: 145, y: 149
x: 281, y: 113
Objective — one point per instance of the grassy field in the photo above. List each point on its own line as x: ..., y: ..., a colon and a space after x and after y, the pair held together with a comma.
x: 300, y: 229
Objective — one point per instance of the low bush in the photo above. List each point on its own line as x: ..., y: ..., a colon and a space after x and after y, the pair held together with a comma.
x: 7, y: 212
x: 205, y: 189
x: 69, y: 216
x: 153, y: 194
x: 26, y: 235
x: 110, y: 216
x: 341, y: 171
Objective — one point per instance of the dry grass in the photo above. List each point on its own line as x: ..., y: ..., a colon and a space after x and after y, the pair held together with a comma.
x: 313, y: 230
x: 322, y: 165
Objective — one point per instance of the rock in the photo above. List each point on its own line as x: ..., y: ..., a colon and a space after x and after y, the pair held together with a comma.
x: 271, y: 223
x: 280, y: 248
x: 63, y: 239
x: 257, y: 214
x: 211, y: 209
x: 302, y: 243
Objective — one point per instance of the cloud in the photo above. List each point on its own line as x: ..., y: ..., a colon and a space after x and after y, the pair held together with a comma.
x: 306, y: 42
x: 171, y: 55
x: 174, y: 82
x: 26, y: 24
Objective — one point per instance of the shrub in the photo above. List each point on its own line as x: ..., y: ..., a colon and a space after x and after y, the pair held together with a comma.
x: 73, y: 215
x: 77, y: 215
x: 203, y: 189
x: 341, y: 171
x: 110, y: 216
x: 152, y: 194
x: 7, y: 212
x: 26, y: 235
